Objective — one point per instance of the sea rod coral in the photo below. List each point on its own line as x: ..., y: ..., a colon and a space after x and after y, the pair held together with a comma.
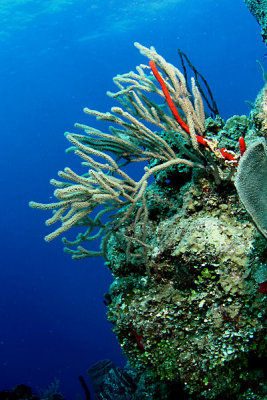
x: 189, y: 264
x: 106, y: 188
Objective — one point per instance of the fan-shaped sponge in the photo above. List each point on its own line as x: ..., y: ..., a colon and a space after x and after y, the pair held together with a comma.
x: 251, y: 183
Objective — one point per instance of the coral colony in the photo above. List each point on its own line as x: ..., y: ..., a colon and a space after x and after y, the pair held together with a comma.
x: 188, y: 257
x: 200, y: 139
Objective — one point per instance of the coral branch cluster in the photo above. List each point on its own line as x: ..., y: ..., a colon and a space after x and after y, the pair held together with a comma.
x: 227, y: 155
x: 105, y: 197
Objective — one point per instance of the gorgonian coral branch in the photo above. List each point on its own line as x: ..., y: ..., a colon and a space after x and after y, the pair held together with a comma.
x: 105, y: 197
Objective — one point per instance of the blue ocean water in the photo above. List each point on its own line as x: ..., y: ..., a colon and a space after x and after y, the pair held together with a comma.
x: 58, y: 56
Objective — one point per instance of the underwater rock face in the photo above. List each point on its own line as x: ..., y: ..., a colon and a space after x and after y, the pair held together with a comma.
x: 258, y: 8
x: 197, y: 316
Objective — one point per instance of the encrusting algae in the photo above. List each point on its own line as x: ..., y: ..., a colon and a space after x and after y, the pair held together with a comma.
x: 189, y: 263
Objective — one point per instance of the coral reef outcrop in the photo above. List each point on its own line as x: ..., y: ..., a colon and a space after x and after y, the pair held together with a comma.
x: 189, y: 265
x: 258, y: 8
x: 194, y: 313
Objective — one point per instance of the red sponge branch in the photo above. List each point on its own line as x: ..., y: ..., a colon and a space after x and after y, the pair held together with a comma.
x: 242, y: 145
x: 168, y: 97
x: 170, y: 103
x: 184, y: 126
